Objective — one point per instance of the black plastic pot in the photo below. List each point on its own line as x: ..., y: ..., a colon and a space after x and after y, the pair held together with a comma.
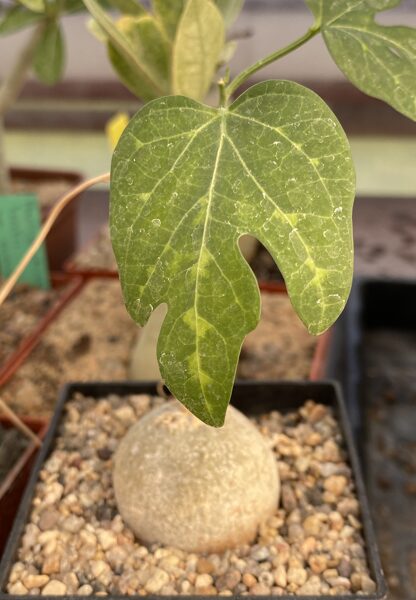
x: 378, y: 349
x: 251, y: 398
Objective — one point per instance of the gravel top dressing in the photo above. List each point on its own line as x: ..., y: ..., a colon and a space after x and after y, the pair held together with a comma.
x: 19, y: 315
x: 77, y: 543
x: 91, y: 339
x: 280, y: 347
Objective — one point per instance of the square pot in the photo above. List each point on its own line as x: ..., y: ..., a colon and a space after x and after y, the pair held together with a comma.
x: 251, y: 398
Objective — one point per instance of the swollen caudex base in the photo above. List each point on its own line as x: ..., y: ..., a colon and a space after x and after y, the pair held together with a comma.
x: 182, y: 483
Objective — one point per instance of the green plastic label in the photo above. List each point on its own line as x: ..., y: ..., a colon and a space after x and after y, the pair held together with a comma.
x: 19, y: 225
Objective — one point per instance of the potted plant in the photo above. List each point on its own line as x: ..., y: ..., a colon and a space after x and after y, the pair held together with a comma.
x: 187, y: 182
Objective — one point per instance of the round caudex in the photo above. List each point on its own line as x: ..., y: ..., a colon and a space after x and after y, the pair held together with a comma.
x: 182, y: 483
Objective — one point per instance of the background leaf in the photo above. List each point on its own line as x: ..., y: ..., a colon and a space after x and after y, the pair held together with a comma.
x: 230, y: 9
x: 130, y: 63
x: 149, y: 45
x: 129, y: 7
x: 198, y: 45
x: 49, y: 59
x: 187, y: 181
x: 169, y: 14
x: 379, y: 60
x: 35, y: 5
x: 16, y: 18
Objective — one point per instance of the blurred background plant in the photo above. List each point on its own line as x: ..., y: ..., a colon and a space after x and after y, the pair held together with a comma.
x: 44, y: 53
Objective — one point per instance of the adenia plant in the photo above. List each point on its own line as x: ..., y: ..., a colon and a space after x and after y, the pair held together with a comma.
x: 188, y: 180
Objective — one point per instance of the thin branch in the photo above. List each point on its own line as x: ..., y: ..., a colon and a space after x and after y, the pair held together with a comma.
x: 19, y: 423
x: 271, y: 58
x: 36, y: 244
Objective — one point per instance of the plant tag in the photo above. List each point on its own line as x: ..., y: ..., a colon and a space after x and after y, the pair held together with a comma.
x: 19, y: 225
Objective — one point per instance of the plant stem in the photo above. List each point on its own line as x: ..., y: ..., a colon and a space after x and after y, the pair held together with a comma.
x: 10, y: 89
x: 14, y: 81
x: 47, y: 226
x: 244, y: 75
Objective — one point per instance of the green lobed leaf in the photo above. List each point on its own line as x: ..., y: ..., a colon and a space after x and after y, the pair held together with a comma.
x: 380, y: 60
x: 169, y: 14
x: 123, y: 47
x: 230, y: 9
x: 199, y: 41
x: 151, y: 48
x: 186, y: 182
x: 49, y: 59
x: 16, y: 18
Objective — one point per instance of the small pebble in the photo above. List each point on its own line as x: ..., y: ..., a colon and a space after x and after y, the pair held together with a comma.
x: 54, y: 588
x: 336, y: 484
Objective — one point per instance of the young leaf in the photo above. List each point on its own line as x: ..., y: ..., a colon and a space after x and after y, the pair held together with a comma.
x: 197, y: 48
x: 35, y: 5
x: 49, y: 59
x: 230, y: 9
x: 121, y: 45
x: 169, y: 14
x: 379, y: 60
x: 149, y: 45
x: 16, y: 18
x: 187, y: 181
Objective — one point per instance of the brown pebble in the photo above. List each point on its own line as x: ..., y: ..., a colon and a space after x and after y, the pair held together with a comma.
x: 249, y: 580
x: 203, y: 580
x: 367, y: 585
x: 259, y: 589
x: 344, y: 568
x: 54, y: 588
x: 209, y: 590
x: 336, y: 484
x: 51, y: 564
x: 17, y: 589
x: 35, y: 581
x: 280, y: 577
x: 48, y: 519
x: 318, y: 563
x: 204, y: 565
x: 312, y: 525
x: 297, y: 575
x: 289, y: 501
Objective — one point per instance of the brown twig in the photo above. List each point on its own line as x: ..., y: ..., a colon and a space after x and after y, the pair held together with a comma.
x: 19, y: 423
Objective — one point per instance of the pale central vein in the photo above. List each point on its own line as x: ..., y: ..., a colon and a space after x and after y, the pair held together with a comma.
x: 203, y: 244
